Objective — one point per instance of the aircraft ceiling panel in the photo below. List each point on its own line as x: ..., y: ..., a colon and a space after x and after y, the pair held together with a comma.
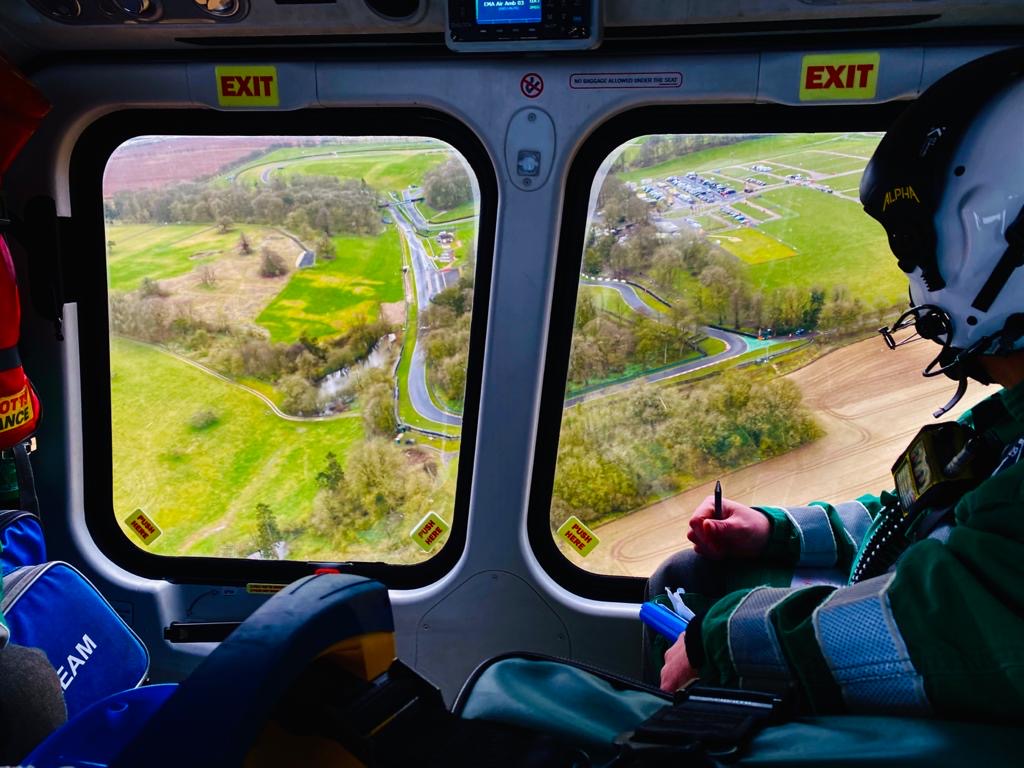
x: 25, y: 32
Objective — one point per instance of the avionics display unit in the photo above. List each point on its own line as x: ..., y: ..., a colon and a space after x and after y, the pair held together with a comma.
x: 523, y: 25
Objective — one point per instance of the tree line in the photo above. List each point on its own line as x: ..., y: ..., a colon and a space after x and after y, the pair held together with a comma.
x: 617, y: 454
x: 658, y: 149
x: 304, y: 204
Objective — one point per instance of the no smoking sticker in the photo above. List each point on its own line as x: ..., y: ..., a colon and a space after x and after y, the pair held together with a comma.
x: 428, y: 533
x: 579, y: 537
x: 532, y: 85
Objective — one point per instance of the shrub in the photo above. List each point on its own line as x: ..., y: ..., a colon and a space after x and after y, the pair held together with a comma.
x: 203, y: 419
x: 271, y: 263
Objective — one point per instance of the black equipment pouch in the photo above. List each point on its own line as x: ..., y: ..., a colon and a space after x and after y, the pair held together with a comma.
x: 705, y: 725
x: 942, y: 463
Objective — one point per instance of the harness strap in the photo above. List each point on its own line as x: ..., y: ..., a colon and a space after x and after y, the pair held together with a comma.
x: 29, y: 500
x: 9, y: 358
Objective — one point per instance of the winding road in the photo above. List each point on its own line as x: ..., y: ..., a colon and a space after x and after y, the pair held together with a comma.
x: 735, y: 345
x: 429, y: 282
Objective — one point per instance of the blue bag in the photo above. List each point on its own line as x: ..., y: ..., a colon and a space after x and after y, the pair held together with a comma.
x: 53, y: 607
x: 21, y: 539
x: 99, y: 734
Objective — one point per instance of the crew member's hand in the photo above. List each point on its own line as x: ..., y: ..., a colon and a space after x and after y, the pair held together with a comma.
x: 742, y: 531
x: 677, y: 671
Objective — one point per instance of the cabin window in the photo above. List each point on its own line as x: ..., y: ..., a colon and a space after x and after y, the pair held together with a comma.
x: 729, y: 296
x: 289, y: 330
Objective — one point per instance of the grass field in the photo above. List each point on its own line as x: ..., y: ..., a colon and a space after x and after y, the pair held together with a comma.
x: 651, y: 302
x: 710, y: 223
x: 748, y: 210
x: 836, y: 244
x: 326, y: 299
x: 752, y: 246
x: 763, y: 149
x: 250, y: 171
x: 443, y: 217
x: 202, y: 486
x: 164, y: 251
x: 848, y: 182
x: 609, y: 300
x: 772, y: 205
x: 385, y: 171
x: 815, y: 161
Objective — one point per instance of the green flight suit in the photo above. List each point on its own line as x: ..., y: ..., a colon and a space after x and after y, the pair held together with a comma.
x: 941, y: 633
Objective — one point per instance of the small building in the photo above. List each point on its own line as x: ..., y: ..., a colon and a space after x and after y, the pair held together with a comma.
x: 445, y: 238
x: 305, y: 260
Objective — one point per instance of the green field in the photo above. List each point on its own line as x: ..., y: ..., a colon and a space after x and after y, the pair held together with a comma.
x: 164, y: 251
x: 748, y: 210
x: 763, y: 149
x: 773, y: 206
x: 822, y: 162
x: 752, y: 246
x: 711, y: 223
x: 848, y: 182
x: 609, y: 300
x: 385, y: 171
x: 202, y: 486
x: 433, y: 216
x: 836, y: 244
x: 325, y: 300
x: 250, y: 171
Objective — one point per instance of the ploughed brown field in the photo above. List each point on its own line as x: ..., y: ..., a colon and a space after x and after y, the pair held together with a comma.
x: 870, y: 400
x: 182, y: 158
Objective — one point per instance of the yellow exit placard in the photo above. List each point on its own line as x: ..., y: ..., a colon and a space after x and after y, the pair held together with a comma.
x: 580, y: 538
x: 247, y: 86
x: 839, y: 76
x: 427, y: 534
x: 143, y: 526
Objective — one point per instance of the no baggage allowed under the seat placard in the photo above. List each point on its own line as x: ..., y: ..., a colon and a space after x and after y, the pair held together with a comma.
x: 54, y: 608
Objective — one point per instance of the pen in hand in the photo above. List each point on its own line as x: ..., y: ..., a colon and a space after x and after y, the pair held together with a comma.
x: 718, y: 500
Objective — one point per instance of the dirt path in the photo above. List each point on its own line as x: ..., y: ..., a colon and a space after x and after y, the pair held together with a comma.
x: 869, y: 400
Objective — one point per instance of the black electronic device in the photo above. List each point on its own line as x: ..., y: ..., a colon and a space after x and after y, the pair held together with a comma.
x: 523, y: 25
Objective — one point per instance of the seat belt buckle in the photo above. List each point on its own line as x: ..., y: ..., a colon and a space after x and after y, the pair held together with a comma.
x: 30, y: 445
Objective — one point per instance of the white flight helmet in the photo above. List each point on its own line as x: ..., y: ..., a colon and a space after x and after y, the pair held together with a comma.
x: 947, y: 183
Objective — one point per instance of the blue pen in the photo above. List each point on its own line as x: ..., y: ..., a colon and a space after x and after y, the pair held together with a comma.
x: 665, y: 622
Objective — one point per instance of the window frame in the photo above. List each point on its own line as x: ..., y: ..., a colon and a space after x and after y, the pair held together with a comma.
x: 602, y: 141
x: 86, y: 270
